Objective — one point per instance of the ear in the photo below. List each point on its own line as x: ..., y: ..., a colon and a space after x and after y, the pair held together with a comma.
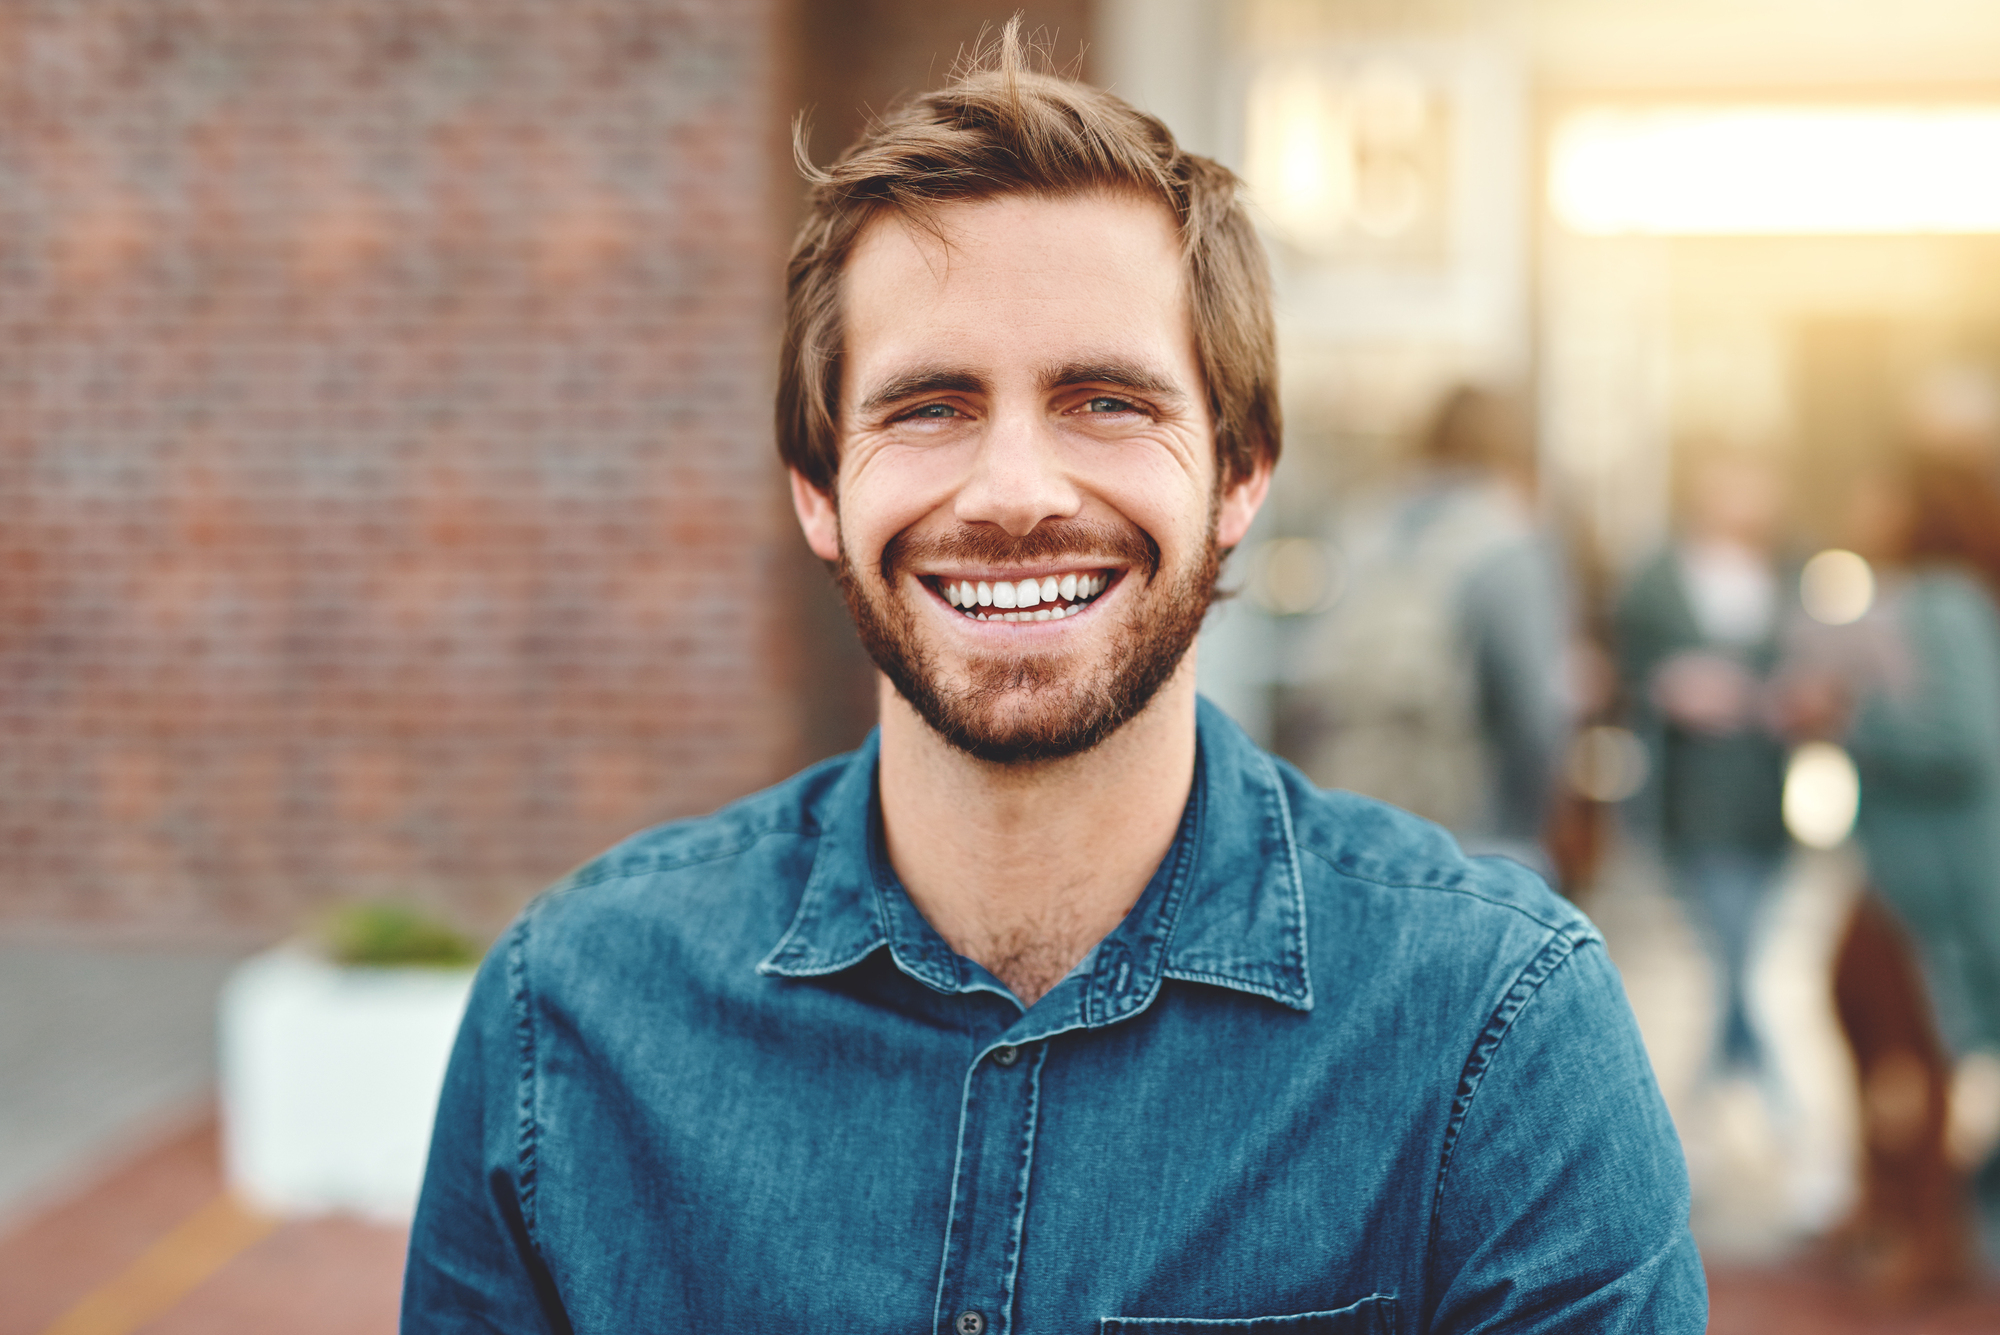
x: 1241, y: 500
x: 818, y: 517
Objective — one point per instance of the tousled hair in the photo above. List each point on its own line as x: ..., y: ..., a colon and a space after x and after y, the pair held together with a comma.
x: 1001, y: 127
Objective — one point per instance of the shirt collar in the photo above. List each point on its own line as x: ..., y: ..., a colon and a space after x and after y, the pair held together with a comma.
x: 1226, y: 907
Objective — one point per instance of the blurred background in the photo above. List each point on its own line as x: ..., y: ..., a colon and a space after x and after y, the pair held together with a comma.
x: 389, y: 520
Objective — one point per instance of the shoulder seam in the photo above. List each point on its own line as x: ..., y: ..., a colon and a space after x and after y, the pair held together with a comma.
x: 610, y: 868
x: 1469, y: 892
x: 527, y: 1129
x: 1559, y: 950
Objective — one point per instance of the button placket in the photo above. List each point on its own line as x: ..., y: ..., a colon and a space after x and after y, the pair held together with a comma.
x: 989, y: 1195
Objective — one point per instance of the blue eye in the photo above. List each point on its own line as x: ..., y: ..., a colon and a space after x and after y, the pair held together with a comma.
x: 934, y: 410
x: 1104, y: 403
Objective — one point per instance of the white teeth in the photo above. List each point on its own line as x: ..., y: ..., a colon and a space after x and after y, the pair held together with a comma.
x: 1073, y: 589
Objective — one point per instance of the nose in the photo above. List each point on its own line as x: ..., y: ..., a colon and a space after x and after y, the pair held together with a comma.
x: 1017, y: 479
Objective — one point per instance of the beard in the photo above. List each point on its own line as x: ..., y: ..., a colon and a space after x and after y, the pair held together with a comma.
x: 1023, y: 708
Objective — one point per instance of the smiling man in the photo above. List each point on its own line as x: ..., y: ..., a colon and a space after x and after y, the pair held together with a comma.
x: 1058, y: 1006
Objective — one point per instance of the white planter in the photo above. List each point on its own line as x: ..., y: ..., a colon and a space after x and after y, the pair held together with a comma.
x: 330, y: 1079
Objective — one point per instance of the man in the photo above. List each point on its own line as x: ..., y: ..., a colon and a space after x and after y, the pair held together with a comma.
x: 1058, y: 1006
x: 1699, y: 634
x: 1435, y: 681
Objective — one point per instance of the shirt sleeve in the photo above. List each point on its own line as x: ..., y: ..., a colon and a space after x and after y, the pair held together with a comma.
x: 473, y: 1265
x: 1563, y: 1201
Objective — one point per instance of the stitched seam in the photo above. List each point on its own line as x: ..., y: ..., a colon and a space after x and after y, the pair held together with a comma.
x: 1186, y: 853
x: 527, y: 1129
x: 1467, y: 891
x: 1382, y: 1302
x: 1028, y: 1124
x: 800, y: 923
x: 1300, y: 950
x: 1190, y: 857
x: 951, y: 1211
x: 597, y: 873
x: 847, y: 961
x: 1235, y: 983
x: 801, y: 822
x: 1526, y: 986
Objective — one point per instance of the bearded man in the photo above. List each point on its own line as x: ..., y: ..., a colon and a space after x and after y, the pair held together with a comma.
x: 1058, y: 1006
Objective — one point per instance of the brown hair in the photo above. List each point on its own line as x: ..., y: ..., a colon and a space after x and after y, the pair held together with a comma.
x: 998, y: 128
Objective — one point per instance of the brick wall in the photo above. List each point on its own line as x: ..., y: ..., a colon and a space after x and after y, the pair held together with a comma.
x: 386, y: 495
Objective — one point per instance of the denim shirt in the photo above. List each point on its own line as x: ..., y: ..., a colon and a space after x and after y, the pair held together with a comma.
x: 1328, y: 1075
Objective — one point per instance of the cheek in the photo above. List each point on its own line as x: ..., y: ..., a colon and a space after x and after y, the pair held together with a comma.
x: 1151, y: 490
x: 891, y: 490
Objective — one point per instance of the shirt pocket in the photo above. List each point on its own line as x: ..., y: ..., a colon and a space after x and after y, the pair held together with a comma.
x: 1370, y: 1316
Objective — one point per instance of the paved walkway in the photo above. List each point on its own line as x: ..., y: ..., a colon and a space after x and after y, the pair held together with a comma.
x: 158, y: 1248
x: 101, y: 1047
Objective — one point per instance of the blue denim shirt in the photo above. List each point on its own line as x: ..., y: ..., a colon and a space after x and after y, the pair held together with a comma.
x: 1328, y: 1075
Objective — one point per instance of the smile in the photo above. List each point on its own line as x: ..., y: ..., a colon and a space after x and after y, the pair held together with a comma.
x: 1045, y: 598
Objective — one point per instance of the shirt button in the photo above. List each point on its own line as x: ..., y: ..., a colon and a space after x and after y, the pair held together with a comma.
x: 974, y: 1323
x: 1005, y: 1056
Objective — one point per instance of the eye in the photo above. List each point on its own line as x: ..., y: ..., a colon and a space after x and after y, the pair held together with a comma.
x: 1106, y: 403
x: 931, y: 410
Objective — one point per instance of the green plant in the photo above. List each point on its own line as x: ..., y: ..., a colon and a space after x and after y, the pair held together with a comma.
x: 384, y: 933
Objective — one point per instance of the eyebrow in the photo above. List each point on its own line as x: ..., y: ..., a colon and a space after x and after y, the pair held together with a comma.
x: 925, y: 380
x: 1120, y: 375
x: 942, y: 380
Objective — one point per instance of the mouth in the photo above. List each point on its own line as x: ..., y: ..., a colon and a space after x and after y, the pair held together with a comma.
x: 1052, y: 597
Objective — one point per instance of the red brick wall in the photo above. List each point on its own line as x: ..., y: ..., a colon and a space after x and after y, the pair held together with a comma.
x: 386, y: 494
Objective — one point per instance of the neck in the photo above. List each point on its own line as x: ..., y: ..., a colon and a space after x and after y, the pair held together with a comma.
x: 1024, y: 868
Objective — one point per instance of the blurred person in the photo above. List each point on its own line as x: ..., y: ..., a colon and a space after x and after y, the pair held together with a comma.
x: 1698, y: 640
x: 1059, y: 1004
x: 1912, y: 689
x: 1436, y: 682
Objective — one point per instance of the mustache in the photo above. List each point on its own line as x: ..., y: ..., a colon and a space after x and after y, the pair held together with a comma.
x: 990, y: 545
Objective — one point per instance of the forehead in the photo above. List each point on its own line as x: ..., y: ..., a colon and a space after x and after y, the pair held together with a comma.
x: 1019, y: 276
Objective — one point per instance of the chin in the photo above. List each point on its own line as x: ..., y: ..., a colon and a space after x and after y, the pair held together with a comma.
x: 996, y: 715
x: 1034, y: 707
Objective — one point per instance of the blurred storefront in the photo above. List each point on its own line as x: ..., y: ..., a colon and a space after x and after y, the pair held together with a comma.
x: 1772, y: 223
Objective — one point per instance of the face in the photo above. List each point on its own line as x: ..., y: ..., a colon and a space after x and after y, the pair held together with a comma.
x: 1027, y: 516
